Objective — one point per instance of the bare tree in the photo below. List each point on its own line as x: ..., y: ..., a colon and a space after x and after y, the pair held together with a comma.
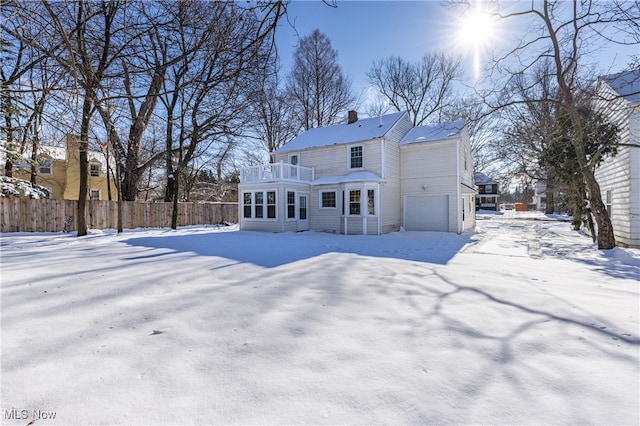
x: 424, y: 89
x: 272, y: 124
x: 564, y: 32
x: 317, y: 88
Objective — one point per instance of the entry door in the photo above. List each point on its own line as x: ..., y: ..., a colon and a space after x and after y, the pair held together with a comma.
x: 303, y: 212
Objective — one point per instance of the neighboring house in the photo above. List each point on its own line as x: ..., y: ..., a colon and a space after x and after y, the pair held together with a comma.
x: 58, y: 170
x: 369, y: 176
x: 618, y: 98
x: 487, y: 196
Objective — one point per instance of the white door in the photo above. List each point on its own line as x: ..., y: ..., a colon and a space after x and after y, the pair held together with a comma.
x: 303, y: 212
x: 426, y: 213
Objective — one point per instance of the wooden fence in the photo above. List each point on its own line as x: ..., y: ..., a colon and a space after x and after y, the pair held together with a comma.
x: 31, y: 215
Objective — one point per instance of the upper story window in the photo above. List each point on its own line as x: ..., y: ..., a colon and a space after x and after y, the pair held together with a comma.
x: 488, y: 189
x: 94, y: 169
x: 44, y: 166
x: 355, y: 157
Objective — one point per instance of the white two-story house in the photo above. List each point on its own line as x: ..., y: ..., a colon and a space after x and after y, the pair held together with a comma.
x: 368, y: 176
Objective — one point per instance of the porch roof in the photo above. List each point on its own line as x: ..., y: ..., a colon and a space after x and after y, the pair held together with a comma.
x: 353, y: 177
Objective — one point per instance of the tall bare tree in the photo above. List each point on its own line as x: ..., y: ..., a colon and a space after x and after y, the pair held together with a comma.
x: 565, y: 32
x: 317, y: 87
x: 424, y: 89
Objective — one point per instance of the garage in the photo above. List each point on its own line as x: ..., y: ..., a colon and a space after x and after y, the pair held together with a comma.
x: 426, y: 213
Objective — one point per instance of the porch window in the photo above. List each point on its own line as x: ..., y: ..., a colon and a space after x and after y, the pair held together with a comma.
x: 259, y: 197
x: 354, y: 202
x: 328, y: 199
x: 355, y: 158
x: 254, y: 204
x: 271, y: 205
x: 371, y: 203
x: 291, y: 205
x: 247, y: 205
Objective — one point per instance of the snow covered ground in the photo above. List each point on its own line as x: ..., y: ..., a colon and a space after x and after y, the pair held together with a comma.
x: 522, y: 321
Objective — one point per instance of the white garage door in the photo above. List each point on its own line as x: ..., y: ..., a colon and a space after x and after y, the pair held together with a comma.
x: 426, y: 213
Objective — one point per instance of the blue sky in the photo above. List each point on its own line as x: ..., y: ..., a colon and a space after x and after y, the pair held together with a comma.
x: 365, y: 31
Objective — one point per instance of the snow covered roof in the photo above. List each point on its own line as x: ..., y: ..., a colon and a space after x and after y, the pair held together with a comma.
x: 353, y: 177
x: 480, y: 177
x: 433, y: 132
x: 58, y: 153
x: 626, y: 83
x: 361, y: 130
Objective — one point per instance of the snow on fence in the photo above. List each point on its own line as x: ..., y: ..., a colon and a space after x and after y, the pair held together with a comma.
x: 41, y: 215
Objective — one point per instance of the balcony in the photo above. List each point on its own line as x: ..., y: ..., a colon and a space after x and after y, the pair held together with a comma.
x: 276, y: 172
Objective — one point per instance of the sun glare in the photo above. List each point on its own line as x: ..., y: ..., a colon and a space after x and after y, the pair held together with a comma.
x: 476, y: 33
x: 476, y: 28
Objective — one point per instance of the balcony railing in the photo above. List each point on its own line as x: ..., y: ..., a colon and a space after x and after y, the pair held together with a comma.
x: 277, y: 171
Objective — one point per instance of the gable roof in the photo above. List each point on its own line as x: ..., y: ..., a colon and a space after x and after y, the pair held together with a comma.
x: 359, y: 131
x: 626, y: 84
x: 434, y: 132
x: 480, y: 178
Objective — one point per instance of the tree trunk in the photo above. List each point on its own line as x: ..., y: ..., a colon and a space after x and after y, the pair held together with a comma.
x: 549, y: 207
x: 84, y: 165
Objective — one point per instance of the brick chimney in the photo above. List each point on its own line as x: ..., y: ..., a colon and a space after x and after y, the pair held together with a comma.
x: 352, y: 117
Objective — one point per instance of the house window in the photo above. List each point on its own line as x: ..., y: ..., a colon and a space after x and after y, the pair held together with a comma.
x: 94, y: 169
x: 259, y: 201
x: 354, y: 202
x: 609, y: 203
x: 247, y: 205
x: 271, y: 205
x: 293, y: 160
x: 291, y: 205
x: 44, y: 166
x: 371, y: 203
x: 327, y: 199
x: 94, y: 194
x: 355, y: 159
x: 254, y: 204
x: 488, y: 189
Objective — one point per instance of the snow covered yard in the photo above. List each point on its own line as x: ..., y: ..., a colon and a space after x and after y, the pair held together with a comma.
x: 521, y: 321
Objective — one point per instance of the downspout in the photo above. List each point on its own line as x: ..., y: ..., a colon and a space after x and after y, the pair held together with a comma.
x: 344, y: 207
x: 378, y: 210
x: 460, y: 225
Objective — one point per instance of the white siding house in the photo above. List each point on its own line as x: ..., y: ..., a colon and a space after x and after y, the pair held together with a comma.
x: 618, y: 98
x: 436, y: 178
x: 354, y: 178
